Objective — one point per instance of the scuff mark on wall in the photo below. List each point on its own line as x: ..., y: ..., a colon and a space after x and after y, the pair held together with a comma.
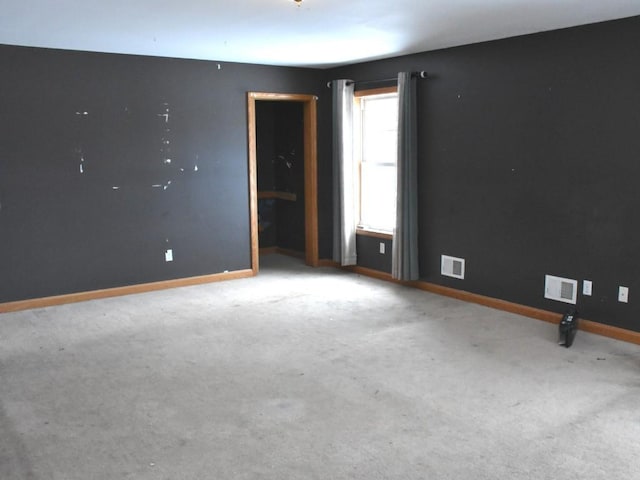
x: 165, y: 114
x: 172, y: 163
x: 81, y: 153
x: 83, y: 117
x: 165, y: 140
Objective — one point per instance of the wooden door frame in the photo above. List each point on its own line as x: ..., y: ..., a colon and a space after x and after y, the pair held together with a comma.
x: 310, y: 172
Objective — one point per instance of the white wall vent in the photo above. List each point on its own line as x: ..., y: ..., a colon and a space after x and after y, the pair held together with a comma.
x: 560, y: 289
x: 452, y: 267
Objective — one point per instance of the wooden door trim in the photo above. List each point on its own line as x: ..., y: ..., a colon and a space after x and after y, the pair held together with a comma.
x: 310, y: 172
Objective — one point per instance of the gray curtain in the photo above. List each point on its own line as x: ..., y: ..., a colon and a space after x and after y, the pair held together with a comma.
x: 405, y: 236
x: 344, y: 174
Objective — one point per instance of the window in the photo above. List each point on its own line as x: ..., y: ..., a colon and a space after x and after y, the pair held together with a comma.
x: 375, y: 144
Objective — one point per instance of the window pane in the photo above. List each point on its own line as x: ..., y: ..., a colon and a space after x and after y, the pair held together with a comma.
x: 380, y: 146
x: 378, y: 196
x: 377, y: 129
x: 380, y: 129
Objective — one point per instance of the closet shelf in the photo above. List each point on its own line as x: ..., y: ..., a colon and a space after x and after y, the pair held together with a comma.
x: 280, y: 195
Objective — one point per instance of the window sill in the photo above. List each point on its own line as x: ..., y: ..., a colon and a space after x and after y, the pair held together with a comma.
x: 368, y: 232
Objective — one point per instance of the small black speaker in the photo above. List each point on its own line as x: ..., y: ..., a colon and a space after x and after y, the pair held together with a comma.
x: 568, y: 328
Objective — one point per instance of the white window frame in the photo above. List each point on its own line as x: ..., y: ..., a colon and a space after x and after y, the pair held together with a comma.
x: 376, y: 231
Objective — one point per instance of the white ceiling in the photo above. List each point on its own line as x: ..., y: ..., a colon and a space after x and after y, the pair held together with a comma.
x: 317, y: 33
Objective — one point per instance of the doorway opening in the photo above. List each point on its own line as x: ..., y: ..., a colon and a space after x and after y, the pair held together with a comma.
x: 280, y: 180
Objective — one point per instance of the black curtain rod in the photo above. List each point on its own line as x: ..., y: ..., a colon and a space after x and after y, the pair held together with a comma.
x: 421, y: 74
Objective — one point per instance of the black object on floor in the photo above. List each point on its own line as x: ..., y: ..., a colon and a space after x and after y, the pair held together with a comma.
x: 568, y: 328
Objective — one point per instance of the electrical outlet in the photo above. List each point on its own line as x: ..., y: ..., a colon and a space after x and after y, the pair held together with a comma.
x: 586, y: 287
x: 168, y: 255
x: 623, y: 294
x: 382, y: 248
